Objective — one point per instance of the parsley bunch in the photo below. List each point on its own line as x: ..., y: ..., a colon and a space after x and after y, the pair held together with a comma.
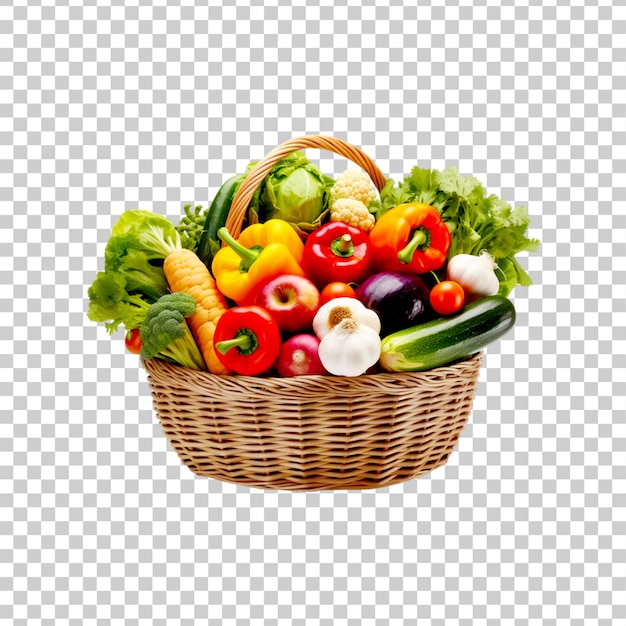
x: 477, y: 221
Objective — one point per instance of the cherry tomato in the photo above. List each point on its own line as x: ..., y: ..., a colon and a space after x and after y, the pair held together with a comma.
x: 447, y: 297
x: 133, y: 341
x: 336, y: 290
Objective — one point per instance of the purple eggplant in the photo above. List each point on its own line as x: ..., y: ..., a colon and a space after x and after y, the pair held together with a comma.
x: 401, y: 300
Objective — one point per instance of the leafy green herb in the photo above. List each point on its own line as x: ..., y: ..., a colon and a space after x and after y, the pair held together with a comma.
x: 476, y: 220
x: 110, y: 302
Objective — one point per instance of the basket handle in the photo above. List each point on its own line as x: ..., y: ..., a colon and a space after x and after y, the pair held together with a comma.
x: 244, y: 194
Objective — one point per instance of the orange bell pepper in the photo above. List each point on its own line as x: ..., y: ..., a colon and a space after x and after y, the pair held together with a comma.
x: 410, y: 238
x: 262, y: 251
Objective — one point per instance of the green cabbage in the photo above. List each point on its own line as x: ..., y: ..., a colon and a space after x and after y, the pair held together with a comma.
x: 296, y: 191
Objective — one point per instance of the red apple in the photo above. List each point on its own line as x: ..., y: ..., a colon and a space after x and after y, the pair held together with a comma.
x: 291, y: 300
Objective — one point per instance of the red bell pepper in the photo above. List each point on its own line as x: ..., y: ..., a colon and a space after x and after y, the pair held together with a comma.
x: 247, y: 340
x: 410, y: 238
x: 337, y: 252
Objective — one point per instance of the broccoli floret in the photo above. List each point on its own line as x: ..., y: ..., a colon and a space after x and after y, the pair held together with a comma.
x: 191, y: 226
x: 165, y: 333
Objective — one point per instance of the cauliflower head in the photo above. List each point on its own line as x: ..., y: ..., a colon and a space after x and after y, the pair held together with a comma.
x: 353, y: 183
x: 353, y: 212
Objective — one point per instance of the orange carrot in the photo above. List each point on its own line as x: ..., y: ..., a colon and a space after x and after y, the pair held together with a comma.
x: 186, y: 272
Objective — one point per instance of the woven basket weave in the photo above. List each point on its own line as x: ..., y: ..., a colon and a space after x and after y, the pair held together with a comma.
x: 312, y: 433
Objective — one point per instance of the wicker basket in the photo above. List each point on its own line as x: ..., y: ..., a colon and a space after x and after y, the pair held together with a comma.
x: 312, y: 433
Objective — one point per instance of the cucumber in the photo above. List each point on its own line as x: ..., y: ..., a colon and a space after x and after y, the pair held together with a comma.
x: 448, y: 339
x: 209, y: 242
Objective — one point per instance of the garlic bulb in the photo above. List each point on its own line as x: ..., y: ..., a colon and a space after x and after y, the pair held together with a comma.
x: 474, y: 273
x: 331, y: 313
x: 350, y: 348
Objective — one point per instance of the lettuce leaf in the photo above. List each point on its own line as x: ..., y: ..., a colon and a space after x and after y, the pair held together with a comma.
x: 139, y: 242
x: 145, y: 231
x: 142, y: 276
x: 133, y: 276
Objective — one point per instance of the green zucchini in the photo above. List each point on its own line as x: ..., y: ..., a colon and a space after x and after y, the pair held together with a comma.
x: 218, y: 212
x: 448, y: 339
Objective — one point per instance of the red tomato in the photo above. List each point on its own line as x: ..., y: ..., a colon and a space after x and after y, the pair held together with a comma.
x: 336, y: 290
x: 133, y: 341
x: 447, y: 297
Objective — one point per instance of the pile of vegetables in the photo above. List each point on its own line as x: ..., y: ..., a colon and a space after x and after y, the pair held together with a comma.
x: 327, y: 277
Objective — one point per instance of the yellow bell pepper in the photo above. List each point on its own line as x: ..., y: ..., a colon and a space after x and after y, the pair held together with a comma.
x: 262, y: 251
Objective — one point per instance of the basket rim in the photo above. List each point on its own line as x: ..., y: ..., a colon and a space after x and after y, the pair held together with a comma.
x: 325, y: 382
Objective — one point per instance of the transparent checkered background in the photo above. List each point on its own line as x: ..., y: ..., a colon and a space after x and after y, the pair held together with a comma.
x: 107, y: 108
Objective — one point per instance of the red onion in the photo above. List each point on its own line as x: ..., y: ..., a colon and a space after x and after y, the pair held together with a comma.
x: 298, y: 357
